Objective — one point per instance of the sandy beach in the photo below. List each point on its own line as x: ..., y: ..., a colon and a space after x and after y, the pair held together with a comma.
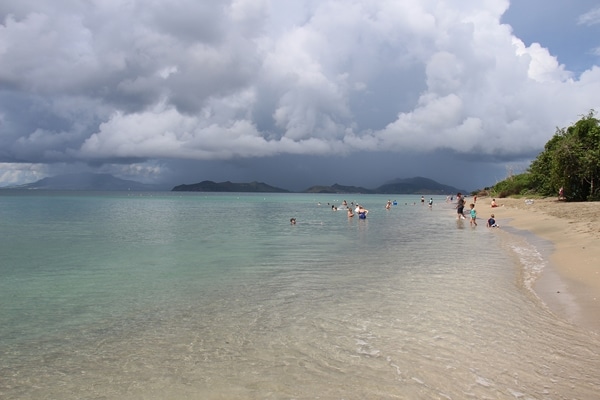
x: 570, y: 286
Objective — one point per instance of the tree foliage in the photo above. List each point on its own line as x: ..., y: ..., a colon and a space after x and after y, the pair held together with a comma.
x: 570, y: 160
x: 520, y: 184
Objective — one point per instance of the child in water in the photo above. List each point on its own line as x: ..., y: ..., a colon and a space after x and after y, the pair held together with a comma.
x: 473, y: 220
x: 491, y: 223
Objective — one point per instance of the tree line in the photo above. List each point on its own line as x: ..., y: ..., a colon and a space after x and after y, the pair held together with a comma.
x: 570, y: 160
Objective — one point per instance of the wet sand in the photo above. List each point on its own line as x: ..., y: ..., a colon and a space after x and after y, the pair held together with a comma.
x: 570, y: 285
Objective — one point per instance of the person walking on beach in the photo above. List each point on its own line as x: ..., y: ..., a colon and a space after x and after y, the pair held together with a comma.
x: 473, y: 220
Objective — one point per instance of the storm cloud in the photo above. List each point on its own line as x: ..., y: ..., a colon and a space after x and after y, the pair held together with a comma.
x: 268, y: 90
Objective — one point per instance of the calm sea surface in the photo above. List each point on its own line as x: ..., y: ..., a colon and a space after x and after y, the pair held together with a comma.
x: 216, y: 296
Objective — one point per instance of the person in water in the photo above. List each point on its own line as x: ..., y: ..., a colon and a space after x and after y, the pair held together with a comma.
x: 473, y: 213
x: 460, y: 206
x: 292, y: 221
x: 491, y: 222
x: 362, y: 212
x: 350, y: 213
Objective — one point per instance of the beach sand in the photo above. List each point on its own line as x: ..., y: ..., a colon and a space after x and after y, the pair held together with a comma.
x: 570, y: 285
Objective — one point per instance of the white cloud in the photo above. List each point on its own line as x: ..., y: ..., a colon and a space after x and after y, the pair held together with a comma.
x: 591, y: 17
x: 543, y: 67
x: 210, y: 80
x: 16, y: 173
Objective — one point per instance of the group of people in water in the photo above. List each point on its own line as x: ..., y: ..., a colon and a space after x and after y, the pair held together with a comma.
x: 362, y: 212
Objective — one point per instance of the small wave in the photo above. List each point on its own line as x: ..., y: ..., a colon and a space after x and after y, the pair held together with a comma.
x: 532, y: 261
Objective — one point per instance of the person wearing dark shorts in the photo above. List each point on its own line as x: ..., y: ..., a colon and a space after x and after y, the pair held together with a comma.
x: 460, y: 206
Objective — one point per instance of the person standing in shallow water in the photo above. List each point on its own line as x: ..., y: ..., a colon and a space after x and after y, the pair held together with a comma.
x: 460, y: 206
x: 362, y: 212
x: 473, y: 221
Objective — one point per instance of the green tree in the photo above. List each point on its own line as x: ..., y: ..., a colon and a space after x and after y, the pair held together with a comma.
x: 520, y: 184
x: 586, y: 132
x: 570, y: 160
x: 543, y: 172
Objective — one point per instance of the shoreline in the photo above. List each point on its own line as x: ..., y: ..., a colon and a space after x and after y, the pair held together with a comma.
x: 570, y: 284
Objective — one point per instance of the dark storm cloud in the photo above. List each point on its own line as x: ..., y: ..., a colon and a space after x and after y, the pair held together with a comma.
x: 391, y: 89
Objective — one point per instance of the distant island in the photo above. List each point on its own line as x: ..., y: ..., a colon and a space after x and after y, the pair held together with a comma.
x: 210, y: 186
x: 417, y: 185
x: 107, y: 182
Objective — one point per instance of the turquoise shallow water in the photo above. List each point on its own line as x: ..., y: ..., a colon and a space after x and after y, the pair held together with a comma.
x: 192, y: 295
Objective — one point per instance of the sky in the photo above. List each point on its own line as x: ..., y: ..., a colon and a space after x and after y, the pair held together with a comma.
x: 292, y: 93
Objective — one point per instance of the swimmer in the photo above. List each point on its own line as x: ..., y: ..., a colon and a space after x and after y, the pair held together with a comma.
x: 362, y: 212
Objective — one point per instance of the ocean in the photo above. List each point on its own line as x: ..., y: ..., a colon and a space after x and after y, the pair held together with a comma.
x: 170, y: 295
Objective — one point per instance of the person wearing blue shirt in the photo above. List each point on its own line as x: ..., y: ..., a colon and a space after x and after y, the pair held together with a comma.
x: 491, y: 223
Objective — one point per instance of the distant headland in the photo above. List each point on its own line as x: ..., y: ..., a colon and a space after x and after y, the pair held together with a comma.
x: 107, y: 182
